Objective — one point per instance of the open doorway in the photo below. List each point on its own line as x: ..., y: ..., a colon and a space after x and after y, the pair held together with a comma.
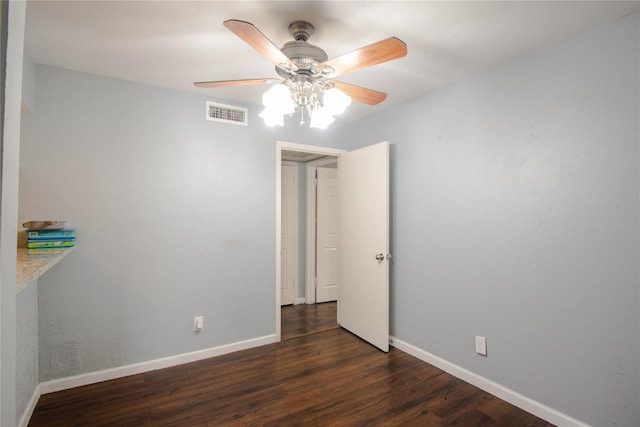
x: 309, y: 264
x: 309, y: 317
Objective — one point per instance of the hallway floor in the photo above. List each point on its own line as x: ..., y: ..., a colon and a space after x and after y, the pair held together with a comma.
x: 306, y: 319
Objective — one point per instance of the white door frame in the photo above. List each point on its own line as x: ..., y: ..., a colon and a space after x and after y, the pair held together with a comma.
x: 310, y: 266
x: 291, y: 146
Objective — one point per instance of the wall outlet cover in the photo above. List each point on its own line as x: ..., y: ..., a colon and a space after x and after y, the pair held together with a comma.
x: 198, y: 323
x: 481, y: 345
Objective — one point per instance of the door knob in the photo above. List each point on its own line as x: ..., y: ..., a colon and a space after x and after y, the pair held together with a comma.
x: 380, y: 257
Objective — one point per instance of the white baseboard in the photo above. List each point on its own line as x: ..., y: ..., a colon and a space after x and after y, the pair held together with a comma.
x: 152, y: 365
x: 300, y: 301
x: 515, y: 398
x: 31, y: 406
x: 536, y: 408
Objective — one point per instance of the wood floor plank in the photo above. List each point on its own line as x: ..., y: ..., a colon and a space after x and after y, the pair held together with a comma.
x: 305, y: 319
x: 329, y: 378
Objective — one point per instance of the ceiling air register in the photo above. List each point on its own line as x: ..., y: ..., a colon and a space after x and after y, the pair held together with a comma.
x: 226, y: 113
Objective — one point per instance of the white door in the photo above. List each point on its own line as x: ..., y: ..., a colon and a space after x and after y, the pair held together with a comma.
x: 327, y: 235
x: 288, y: 229
x: 363, y: 301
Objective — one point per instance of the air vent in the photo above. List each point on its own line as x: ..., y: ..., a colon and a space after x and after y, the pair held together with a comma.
x: 226, y: 113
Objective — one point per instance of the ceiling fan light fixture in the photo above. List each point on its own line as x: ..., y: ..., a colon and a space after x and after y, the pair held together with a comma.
x: 318, y: 100
x: 336, y: 101
x: 272, y: 118
x: 321, y: 118
x: 278, y: 99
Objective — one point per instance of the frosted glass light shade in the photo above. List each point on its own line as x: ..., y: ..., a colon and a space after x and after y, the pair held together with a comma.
x: 306, y: 97
x: 321, y: 118
x: 278, y: 98
x: 272, y: 117
x: 336, y: 101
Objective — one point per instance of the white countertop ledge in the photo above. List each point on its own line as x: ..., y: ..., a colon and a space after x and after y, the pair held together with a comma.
x: 30, y: 267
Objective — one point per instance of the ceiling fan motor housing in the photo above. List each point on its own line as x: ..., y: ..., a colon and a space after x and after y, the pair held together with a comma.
x: 305, y: 55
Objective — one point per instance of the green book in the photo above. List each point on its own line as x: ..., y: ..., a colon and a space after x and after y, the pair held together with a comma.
x: 51, y: 244
x: 46, y: 251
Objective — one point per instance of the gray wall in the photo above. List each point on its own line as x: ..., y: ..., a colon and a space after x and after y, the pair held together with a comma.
x: 175, y: 217
x: 28, y: 84
x: 27, y: 375
x: 27, y: 357
x: 515, y: 206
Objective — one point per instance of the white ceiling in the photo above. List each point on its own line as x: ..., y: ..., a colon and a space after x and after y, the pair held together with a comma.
x: 175, y: 43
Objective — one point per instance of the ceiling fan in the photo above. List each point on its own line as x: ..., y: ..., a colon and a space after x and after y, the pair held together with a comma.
x: 306, y: 82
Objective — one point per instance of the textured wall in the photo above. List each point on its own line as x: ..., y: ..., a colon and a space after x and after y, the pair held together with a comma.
x: 515, y: 216
x: 515, y: 206
x: 175, y: 217
x: 27, y: 371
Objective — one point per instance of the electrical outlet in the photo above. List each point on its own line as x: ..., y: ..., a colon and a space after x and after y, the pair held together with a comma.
x: 198, y: 323
x: 481, y: 345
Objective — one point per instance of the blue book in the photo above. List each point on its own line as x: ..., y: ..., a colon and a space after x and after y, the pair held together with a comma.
x: 51, y: 234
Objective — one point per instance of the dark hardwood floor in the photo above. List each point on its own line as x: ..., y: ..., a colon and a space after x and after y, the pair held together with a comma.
x: 305, y: 319
x: 329, y: 378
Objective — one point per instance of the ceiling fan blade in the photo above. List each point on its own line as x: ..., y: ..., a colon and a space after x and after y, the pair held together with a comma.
x: 252, y: 36
x: 376, y: 53
x: 227, y: 83
x: 361, y: 94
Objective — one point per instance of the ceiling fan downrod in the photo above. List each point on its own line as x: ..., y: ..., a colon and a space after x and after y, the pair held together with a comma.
x: 301, y: 30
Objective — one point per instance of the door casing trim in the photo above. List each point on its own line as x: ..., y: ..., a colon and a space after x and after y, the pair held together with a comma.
x: 295, y: 230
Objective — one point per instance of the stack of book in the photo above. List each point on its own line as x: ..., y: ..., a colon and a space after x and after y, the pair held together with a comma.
x: 50, y: 241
